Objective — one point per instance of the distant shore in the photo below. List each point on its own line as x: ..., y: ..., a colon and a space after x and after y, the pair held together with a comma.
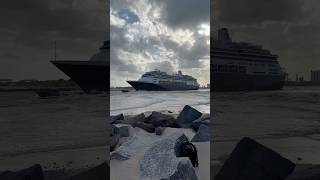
x: 33, y: 85
x: 301, y: 83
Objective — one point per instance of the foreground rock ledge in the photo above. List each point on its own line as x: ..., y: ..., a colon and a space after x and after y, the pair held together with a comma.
x: 252, y: 161
x: 162, y: 161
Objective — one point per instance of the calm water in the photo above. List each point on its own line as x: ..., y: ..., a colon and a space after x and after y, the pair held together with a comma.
x: 135, y: 102
x: 30, y: 126
x: 287, y: 120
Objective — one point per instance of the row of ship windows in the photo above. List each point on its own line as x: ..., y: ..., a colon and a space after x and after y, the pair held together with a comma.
x: 229, y: 68
x: 236, y: 68
x: 257, y: 64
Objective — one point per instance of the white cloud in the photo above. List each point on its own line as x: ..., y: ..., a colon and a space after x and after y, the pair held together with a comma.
x: 154, y: 43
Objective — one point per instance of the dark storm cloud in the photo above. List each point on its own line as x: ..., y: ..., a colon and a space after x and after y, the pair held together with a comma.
x: 30, y: 27
x: 288, y: 28
x: 258, y: 11
x: 182, y: 14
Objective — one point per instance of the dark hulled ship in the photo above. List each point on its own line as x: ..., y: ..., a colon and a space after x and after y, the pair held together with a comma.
x: 242, y: 66
x: 92, y: 75
x: 161, y: 81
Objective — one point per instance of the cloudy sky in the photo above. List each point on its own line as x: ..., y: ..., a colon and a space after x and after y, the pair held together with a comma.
x: 148, y: 34
x: 168, y: 35
x: 290, y: 28
x: 28, y: 29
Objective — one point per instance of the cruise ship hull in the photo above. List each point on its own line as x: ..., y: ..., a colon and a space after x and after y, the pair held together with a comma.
x: 245, y: 82
x: 145, y: 86
x: 89, y: 75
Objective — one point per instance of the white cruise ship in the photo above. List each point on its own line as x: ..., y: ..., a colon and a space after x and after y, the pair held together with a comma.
x: 243, y: 66
x: 161, y: 81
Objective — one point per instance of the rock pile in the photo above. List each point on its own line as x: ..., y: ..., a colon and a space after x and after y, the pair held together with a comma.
x: 157, y: 122
x: 160, y: 158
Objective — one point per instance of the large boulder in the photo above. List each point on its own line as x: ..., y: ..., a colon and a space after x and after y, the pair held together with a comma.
x: 158, y: 119
x: 32, y: 173
x: 184, y: 171
x: 147, y: 127
x: 124, y: 131
x: 117, y: 119
x: 202, y: 135
x: 162, y: 160
x: 204, y: 119
x: 159, y: 130
x: 114, y: 137
x: 251, y: 161
x: 187, y: 116
x: 135, y: 144
x: 134, y: 119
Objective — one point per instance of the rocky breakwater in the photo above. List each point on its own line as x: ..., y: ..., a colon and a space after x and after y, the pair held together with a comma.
x: 160, y: 145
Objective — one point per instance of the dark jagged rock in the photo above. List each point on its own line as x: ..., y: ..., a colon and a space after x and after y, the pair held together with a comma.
x: 100, y: 172
x: 158, y: 119
x: 134, y: 119
x: 32, y: 173
x: 117, y: 119
x: 159, y: 130
x: 124, y: 131
x: 187, y: 116
x: 204, y: 119
x: 147, y: 127
x: 251, y: 161
x: 202, y: 135
x: 114, y: 137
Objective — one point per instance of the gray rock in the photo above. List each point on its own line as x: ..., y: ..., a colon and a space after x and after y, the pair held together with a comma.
x: 161, y: 161
x: 251, y: 161
x: 202, y: 135
x: 137, y: 143
x: 147, y: 127
x: 32, y: 173
x: 158, y: 119
x: 114, y: 137
x: 124, y: 131
x: 117, y: 119
x: 184, y: 171
x: 187, y: 116
x: 159, y: 130
x: 134, y: 119
x: 204, y: 119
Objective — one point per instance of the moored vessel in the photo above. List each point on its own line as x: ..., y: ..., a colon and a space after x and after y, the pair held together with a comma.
x: 161, y: 81
x: 92, y: 75
x: 242, y: 66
